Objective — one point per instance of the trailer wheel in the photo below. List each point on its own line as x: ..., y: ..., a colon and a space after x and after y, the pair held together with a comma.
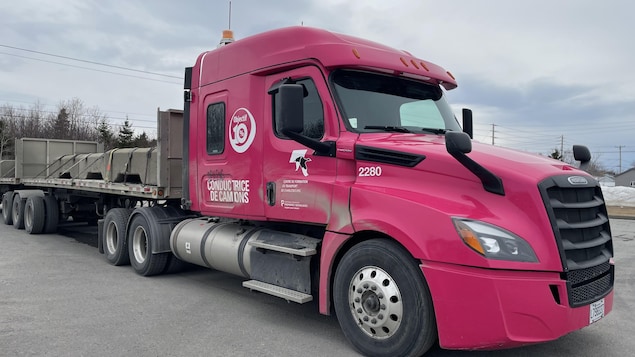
x: 52, y: 214
x: 34, y: 216
x: 7, y: 208
x: 382, y: 301
x: 140, y: 249
x: 18, y: 212
x: 115, y: 242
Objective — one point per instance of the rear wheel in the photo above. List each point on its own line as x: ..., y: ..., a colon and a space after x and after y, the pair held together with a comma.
x: 382, y: 301
x: 7, y: 208
x: 115, y: 243
x: 140, y: 249
x: 18, y: 212
x: 34, y: 216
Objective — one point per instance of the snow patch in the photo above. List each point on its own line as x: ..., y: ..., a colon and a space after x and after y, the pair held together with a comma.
x: 619, y: 196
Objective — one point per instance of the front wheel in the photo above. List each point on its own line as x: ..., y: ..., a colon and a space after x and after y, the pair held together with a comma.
x: 382, y: 301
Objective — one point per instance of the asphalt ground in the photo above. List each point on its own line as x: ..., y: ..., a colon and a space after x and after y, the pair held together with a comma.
x: 59, y: 297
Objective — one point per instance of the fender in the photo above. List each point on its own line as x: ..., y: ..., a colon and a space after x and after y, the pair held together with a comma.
x: 161, y: 221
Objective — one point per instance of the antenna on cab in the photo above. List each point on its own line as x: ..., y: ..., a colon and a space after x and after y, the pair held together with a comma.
x: 228, y: 35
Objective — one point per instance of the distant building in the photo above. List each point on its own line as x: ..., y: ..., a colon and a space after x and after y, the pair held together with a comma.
x: 606, y: 181
x: 626, y: 178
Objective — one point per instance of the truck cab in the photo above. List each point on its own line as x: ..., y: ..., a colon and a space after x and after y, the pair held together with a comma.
x: 420, y: 233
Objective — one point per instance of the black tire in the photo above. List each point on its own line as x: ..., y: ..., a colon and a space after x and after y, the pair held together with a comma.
x: 7, y: 208
x: 175, y: 265
x: 34, y: 215
x: 18, y: 212
x: 52, y: 214
x: 382, y: 301
x: 140, y: 249
x: 115, y: 242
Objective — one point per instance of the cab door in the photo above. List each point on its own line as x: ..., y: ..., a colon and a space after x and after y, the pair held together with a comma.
x: 229, y: 157
x: 299, y: 182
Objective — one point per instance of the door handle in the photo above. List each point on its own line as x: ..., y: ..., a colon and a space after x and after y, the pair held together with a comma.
x: 271, y: 193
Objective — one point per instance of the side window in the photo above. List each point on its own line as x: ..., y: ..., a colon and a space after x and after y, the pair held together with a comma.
x: 215, y: 128
x: 313, y: 111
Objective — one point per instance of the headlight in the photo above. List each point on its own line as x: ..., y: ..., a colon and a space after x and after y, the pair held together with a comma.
x: 493, y: 242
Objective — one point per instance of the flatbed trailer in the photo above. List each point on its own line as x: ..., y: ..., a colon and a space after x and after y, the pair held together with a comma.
x: 143, y: 173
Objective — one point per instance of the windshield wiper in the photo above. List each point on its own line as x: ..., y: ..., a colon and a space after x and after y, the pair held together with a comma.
x: 435, y: 130
x: 396, y: 129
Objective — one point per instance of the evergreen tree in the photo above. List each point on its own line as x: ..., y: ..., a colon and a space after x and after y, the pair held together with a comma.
x: 126, y: 135
x: 60, y: 128
x: 105, y: 134
x: 141, y: 140
x: 556, y: 154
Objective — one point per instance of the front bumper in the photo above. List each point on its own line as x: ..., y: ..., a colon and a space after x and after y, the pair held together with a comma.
x: 480, y: 308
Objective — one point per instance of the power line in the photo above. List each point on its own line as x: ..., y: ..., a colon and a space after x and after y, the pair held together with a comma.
x: 91, y: 62
x: 57, y: 105
x: 88, y: 68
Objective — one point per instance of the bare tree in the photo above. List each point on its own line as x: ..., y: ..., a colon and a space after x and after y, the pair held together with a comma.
x: 10, y: 120
x: 72, y: 120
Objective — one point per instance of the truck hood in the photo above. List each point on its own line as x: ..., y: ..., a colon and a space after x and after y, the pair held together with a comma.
x: 426, y: 193
x: 509, y: 164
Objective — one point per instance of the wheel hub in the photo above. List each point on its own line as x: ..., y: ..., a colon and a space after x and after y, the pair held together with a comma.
x: 375, y: 302
x: 111, y: 238
x: 140, y: 244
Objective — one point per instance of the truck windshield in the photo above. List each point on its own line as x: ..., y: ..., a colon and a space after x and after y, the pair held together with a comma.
x: 375, y: 102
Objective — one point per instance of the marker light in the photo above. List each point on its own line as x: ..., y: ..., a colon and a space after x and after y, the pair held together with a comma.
x: 494, y: 242
x: 228, y: 37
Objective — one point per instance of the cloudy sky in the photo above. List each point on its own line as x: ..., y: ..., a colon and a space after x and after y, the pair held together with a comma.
x: 540, y: 73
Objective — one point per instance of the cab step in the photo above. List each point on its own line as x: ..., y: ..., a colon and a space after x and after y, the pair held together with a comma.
x: 284, y: 293
x: 289, y: 243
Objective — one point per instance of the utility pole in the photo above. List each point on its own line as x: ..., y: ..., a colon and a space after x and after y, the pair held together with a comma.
x: 562, y: 147
x: 493, y: 131
x: 620, y: 149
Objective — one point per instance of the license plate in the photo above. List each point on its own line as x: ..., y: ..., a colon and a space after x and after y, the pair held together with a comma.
x: 596, y: 311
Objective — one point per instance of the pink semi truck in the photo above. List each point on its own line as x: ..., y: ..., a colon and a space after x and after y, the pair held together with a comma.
x: 320, y: 166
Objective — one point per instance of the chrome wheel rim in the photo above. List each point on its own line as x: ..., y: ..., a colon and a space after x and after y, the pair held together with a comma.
x: 375, y: 302
x: 112, y: 238
x: 140, y: 244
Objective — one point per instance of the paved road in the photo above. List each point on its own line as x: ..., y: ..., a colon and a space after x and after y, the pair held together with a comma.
x: 59, y: 297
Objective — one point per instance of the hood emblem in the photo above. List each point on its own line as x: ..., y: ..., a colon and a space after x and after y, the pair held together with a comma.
x: 577, y: 180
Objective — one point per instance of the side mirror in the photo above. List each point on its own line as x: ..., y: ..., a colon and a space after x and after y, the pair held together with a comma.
x: 457, y: 143
x: 291, y: 108
x: 467, y: 122
x: 581, y: 153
